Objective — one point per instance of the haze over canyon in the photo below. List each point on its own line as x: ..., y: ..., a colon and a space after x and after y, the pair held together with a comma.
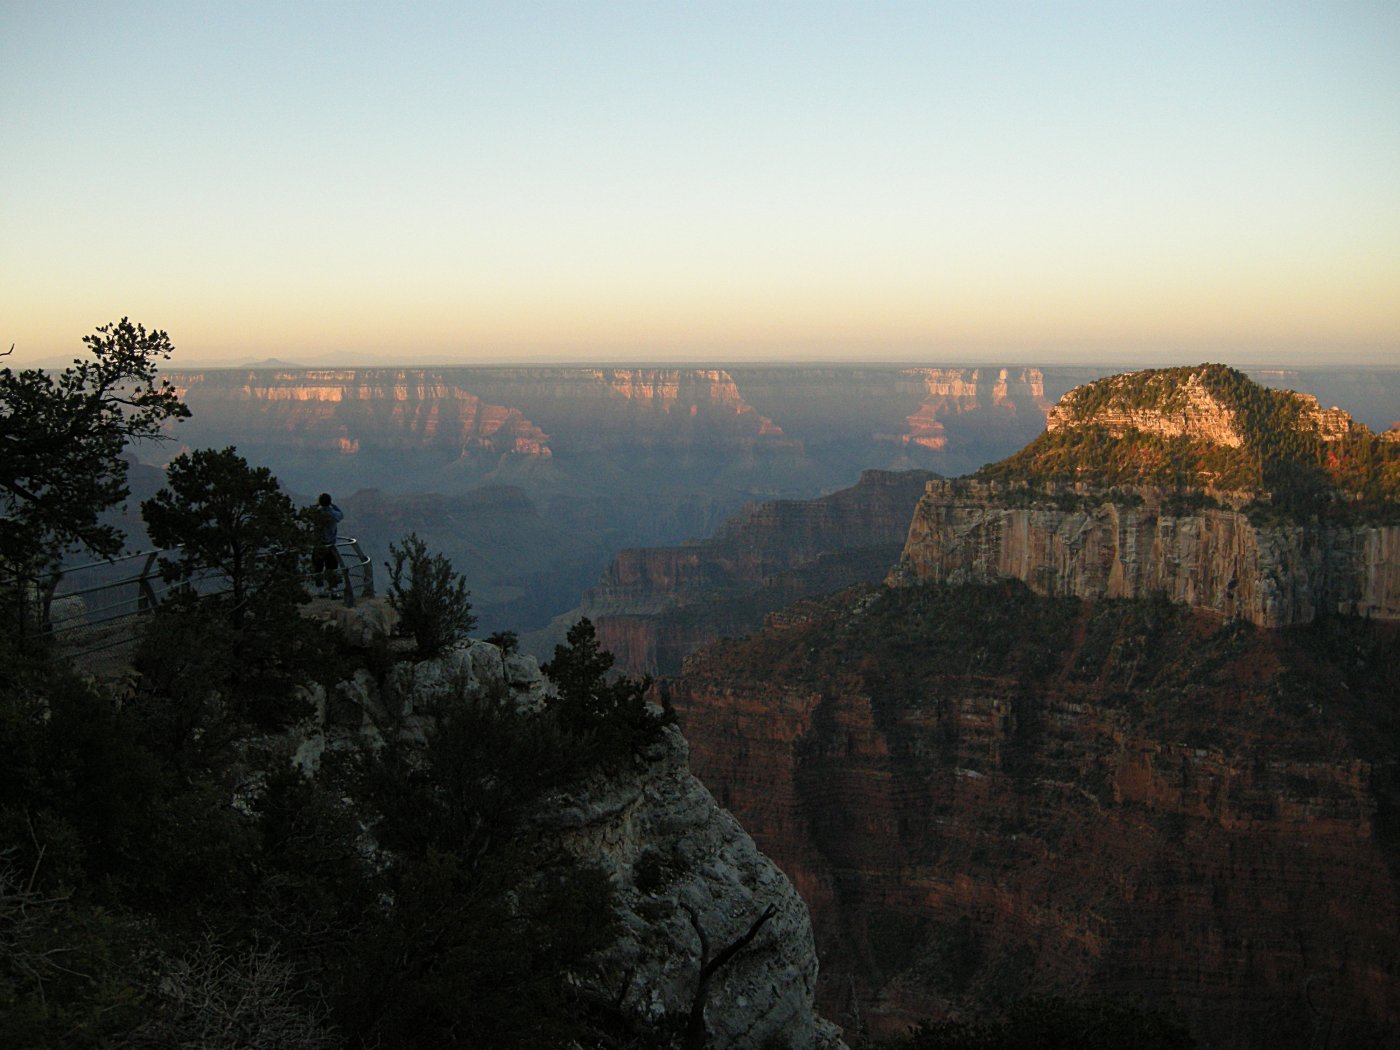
x: 533, y: 479
x: 1030, y: 680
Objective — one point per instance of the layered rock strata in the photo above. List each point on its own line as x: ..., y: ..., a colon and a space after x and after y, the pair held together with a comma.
x: 1131, y: 545
x: 983, y: 794
x: 654, y: 606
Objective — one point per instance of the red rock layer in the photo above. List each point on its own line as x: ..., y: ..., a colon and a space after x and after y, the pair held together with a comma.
x: 983, y: 794
x: 345, y: 410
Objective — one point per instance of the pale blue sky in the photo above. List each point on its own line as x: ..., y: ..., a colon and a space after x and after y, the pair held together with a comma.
x: 726, y: 181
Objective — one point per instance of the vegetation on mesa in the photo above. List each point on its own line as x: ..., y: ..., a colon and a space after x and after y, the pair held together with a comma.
x: 1154, y: 428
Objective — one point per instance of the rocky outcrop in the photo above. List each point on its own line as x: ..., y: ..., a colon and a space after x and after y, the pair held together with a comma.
x: 679, y: 863
x: 1194, y: 483
x: 474, y: 411
x: 955, y: 392
x: 789, y: 429
x: 1168, y: 407
x: 984, y: 794
x: 654, y: 606
x: 1132, y: 545
x: 682, y: 865
x: 1182, y: 403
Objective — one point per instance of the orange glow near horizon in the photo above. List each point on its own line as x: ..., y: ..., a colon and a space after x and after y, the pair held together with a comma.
x: 738, y: 182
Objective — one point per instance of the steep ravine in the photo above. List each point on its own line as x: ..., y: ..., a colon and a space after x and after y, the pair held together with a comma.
x: 653, y: 606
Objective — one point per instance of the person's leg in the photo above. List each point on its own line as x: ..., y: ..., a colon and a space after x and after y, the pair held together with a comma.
x: 321, y: 568
x: 332, y: 570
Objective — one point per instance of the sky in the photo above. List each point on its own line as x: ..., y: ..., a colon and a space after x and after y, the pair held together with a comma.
x: 1136, y: 182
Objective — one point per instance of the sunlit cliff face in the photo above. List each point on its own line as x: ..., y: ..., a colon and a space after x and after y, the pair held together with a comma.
x: 1197, y: 413
x: 957, y: 383
x: 1201, y: 415
x: 957, y: 392
x: 959, y: 389
x: 345, y: 410
x: 890, y: 417
x: 687, y: 392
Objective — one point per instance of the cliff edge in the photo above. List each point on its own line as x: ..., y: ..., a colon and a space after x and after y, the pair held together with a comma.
x: 1226, y: 496
x: 688, y: 883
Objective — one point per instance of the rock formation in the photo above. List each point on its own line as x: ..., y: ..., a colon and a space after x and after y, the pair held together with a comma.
x: 1105, y: 733
x: 539, y: 476
x: 982, y: 794
x: 654, y: 606
x: 787, y: 430
x: 337, y: 410
x: 1194, y: 483
x: 1215, y: 559
x: 683, y: 865
x: 680, y: 863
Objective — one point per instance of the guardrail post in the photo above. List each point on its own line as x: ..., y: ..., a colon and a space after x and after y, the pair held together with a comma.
x: 366, y: 570
x: 45, y: 597
x: 146, y: 599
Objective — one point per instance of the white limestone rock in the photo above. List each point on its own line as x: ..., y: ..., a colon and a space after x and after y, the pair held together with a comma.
x: 669, y: 846
x: 362, y: 625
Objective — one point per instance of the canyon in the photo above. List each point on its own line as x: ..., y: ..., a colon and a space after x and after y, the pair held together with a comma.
x: 984, y: 793
x: 1084, y: 739
x: 533, y: 479
x: 654, y: 606
x: 1134, y: 741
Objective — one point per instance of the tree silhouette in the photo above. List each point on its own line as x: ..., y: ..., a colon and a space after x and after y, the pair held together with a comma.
x: 61, y: 440
x: 228, y: 516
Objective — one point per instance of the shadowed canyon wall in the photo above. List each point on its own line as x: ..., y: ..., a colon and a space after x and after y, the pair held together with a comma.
x: 654, y: 606
x: 983, y: 793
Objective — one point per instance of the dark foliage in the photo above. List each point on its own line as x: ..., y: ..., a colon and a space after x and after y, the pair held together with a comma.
x: 168, y: 877
x: 61, y: 438
x: 462, y: 928
x: 613, y: 717
x: 231, y: 520
x: 1053, y: 1024
x: 506, y: 641
x: 430, y: 597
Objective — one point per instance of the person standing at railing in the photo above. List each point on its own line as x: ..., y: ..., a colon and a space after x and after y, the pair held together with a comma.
x: 325, y: 562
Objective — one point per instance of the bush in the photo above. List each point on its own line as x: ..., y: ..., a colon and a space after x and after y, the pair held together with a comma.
x: 429, y: 596
x: 613, y: 716
x: 506, y: 641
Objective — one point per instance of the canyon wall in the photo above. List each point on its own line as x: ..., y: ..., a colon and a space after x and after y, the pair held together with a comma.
x: 1134, y: 546
x: 532, y: 479
x: 653, y: 606
x: 599, y: 460
x: 780, y: 431
x: 983, y: 794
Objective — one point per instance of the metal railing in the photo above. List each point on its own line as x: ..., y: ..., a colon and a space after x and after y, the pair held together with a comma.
x: 89, y: 605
